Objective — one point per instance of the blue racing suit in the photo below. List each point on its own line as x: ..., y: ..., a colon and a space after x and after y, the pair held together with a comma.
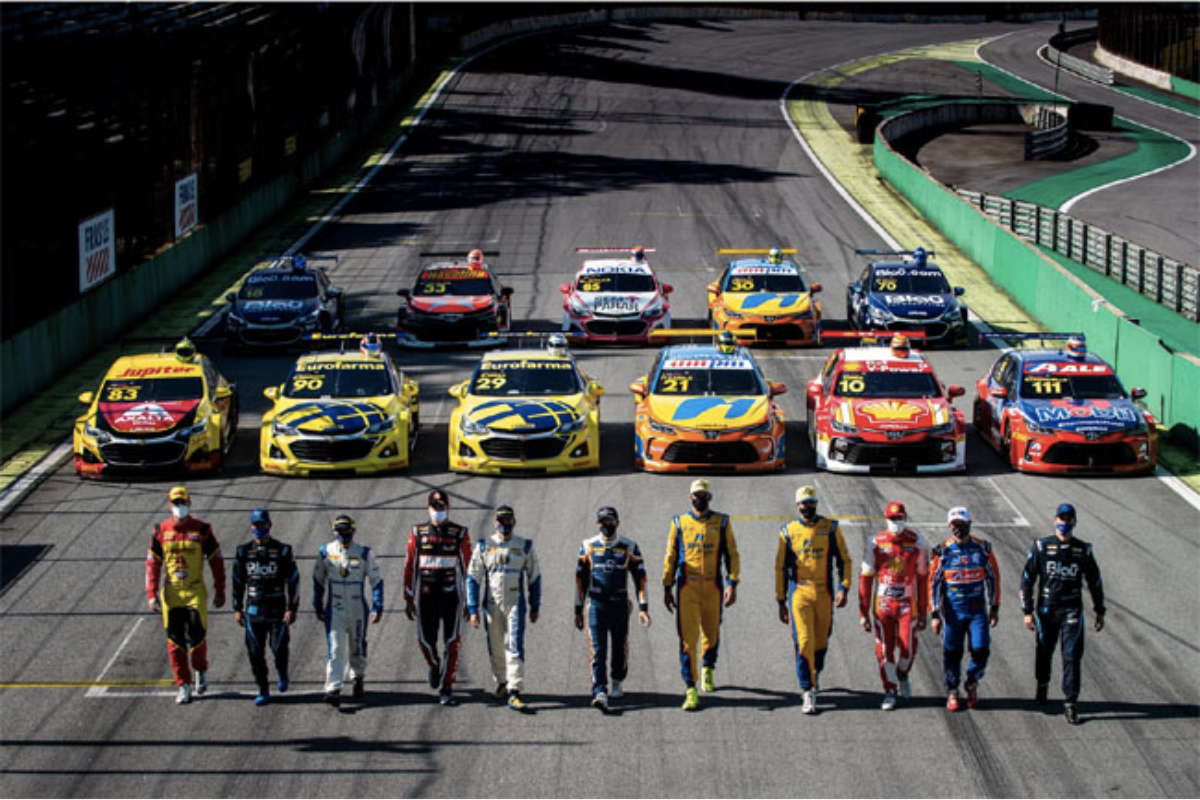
x: 964, y: 588
x: 602, y: 575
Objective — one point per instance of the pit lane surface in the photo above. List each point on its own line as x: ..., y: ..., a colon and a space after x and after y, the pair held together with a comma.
x: 666, y: 135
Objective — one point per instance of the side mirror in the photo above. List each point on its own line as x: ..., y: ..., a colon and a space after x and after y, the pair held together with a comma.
x: 958, y: 291
x: 596, y: 390
x: 271, y: 393
x: 955, y: 391
x: 638, y: 387
x: 667, y: 288
x: 411, y: 389
x: 87, y: 397
x: 231, y: 296
x: 813, y: 288
x: 855, y: 288
x: 815, y: 389
x: 1136, y: 393
x: 998, y: 392
x: 506, y: 291
x: 333, y: 292
x: 776, y: 388
x: 565, y: 288
x: 458, y: 390
x: 222, y: 393
x: 405, y: 293
x: 713, y: 288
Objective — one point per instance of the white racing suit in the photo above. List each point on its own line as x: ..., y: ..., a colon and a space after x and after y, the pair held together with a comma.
x: 507, y: 573
x: 339, y: 592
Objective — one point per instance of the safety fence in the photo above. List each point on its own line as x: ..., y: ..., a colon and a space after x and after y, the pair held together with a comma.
x: 1056, y: 51
x: 1168, y: 282
x: 1050, y: 136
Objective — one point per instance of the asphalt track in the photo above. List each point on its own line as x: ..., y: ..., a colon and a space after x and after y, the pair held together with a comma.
x: 667, y: 135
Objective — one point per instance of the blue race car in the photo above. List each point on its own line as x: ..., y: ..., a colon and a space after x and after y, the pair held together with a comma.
x: 905, y: 291
x: 282, y: 301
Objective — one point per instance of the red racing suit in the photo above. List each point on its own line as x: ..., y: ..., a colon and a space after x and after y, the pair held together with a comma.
x: 179, y: 548
x: 435, y: 568
x: 894, y: 589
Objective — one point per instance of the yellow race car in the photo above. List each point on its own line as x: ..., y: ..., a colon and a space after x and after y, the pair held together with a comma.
x: 768, y: 295
x: 340, y: 413
x: 526, y: 412
x: 157, y: 412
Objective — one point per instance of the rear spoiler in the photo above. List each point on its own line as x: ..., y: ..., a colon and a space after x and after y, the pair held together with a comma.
x: 873, y: 337
x: 1028, y: 337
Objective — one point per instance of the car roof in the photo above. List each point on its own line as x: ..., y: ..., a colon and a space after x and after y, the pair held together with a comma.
x: 456, y: 265
x: 703, y: 351
x: 753, y: 263
x: 1042, y: 356
x: 347, y: 356
x: 884, y: 355
x: 272, y: 269
x: 603, y: 265
x: 155, y: 365
x: 530, y: 354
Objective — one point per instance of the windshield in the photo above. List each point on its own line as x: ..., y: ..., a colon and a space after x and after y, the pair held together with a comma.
x: 160, y: 390
x: 279, y: 287
x: 886, y: 384
x: 461, y: 282
x: 1083, y: 387
x: 339, y: 379
x: 525, y: 377
x: 778, y: 282
x: 619, y: 282
x: 925, y: 281
x: 721, y: 376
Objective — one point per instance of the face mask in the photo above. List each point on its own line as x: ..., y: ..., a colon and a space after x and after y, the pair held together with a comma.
x: 345, y: 539
x: 1064, y: 528
x: 700, y: 504
x: 895, y: 525
x: 438, y: 516
x: 260, y: 533
x: 505, y: 529
x: 808, y: 511
x: 960, y: 532
x: 180, y: 511
x: 609, y: 529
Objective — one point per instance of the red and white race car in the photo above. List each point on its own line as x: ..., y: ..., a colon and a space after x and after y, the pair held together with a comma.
x: 883, y: 410
x: 616, y: 300
x: 454, y: 303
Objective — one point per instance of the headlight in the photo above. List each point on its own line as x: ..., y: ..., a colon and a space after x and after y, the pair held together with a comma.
x: 952, y: 313
x: 234, y: 319
x: 578, y: 307
x: 734, y: 314
x: 658, y: 427
x: 195, y: 430
x: 760, y: 428
x: 1040, y: 430
x: 282, y: 429
x: 311, y: 320
x: 942, y: 430
x: 1139, y: 428
x: 877, y: 314
x: 383, y: 425
x: 655, y: 308
x: 472, y: 427
x: 100, y: 436
x: 572, y: 425
x: 841, y: 427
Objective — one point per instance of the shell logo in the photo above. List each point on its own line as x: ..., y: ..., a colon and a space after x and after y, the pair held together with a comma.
x: 891, y: 410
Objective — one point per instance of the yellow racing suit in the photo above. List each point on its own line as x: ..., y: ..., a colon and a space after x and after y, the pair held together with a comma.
x: 699, y: 550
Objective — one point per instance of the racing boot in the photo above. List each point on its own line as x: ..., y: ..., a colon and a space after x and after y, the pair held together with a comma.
x: 501, y: 691
x: 810, y: 702
x: 359, y: 691
x: 600, y: 701
x: 516, y: 703
x: 1042, y: 696
x: 264, y: 696
x: 889, y: 701
x: 952, y: 703
x: 446, y: 697
x: 333, y: 698
x: 691, y: 700
x: 972, y: 688
x: 906, y: 688
x: 201, y: 682
x: 282, y: 683
x: 708, y: 681
x: 185, y: 694
x: 435, y: 675
x: 1071, y: 714
x: 617, y: 692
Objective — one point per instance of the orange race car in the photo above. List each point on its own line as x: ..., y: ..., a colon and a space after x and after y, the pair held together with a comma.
x: 768, y: 295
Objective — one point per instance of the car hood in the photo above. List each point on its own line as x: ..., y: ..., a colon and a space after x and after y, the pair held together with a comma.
x: 894, y: 414
x: 267, y: 311
x: 914, y: 306
x: 142, y: 417
x: 1082, y: 416
x: 710, y: 412
x: 451, y: 304
x: 525, y: 415
x: 768, y: 303
x: 615, y: 302
x: 332, y: 417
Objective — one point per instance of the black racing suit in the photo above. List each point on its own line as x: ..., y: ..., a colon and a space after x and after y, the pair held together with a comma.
x: 435, y: 568
x: 1060, y: 567
x: 266, y: 583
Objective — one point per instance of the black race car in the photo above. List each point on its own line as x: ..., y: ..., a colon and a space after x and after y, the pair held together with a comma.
x: 283, y: 300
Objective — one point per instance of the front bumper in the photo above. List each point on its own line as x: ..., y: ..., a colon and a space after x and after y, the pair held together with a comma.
x: 788, y: 331
x: 504, y: 454
x: 281, y: 334
x: 708, y: 452
x: 157, y: 455
x: 616, y: 330
x: 913, y: 454
x: 425, y: 331
x: 306, y: 455
x: 1063, y: 454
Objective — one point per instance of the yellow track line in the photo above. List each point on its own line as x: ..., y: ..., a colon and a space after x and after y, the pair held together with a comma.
x: 148, y: 684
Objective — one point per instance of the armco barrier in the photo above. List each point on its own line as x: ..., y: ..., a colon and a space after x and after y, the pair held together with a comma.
x: 33, y: 357
x: 1055, y: 297
x: 1060, y: 43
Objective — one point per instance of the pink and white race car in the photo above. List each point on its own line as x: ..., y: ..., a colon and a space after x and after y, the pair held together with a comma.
x: 616, y: 300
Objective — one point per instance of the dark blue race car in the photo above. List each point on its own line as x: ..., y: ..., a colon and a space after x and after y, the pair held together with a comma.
x: 282, y: 302
x: 905, y: 291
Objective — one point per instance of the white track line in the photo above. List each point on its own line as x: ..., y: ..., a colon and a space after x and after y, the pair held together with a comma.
x: 98, y: 691
x: 1020, y: 518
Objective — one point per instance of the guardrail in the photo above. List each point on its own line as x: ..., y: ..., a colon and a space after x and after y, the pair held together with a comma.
x: 1056, y: 52
x: 1168, y: 282
x: 1050, y: 136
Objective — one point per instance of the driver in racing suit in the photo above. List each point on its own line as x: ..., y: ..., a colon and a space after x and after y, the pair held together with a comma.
x: 339, y: 599
x: 899, y: 558
x: 504, y: 576
x: 435, y: 567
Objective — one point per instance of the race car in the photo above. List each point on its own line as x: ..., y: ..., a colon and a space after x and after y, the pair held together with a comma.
x: 882, y: 410
x: 157, y: 412
x: 767, y: 294
x: 707, y: 408
x: 526, y: 412
x: 616, y: 300
x: 456, y: 303
x: 343, y: 413
x: 283, y: 300
x: 907, y: 292
x: 1063, y: 411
